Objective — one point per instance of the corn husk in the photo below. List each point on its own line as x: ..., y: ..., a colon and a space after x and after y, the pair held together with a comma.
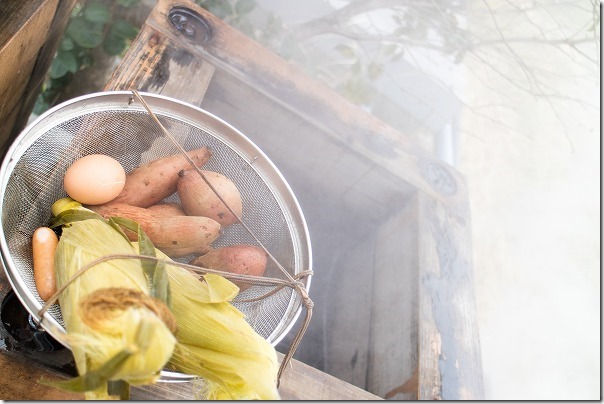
x: 213, y: 339
x: 135, y: 332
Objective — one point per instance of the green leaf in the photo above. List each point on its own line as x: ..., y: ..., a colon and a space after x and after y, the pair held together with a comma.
x: 73, y: 215
x: 160, y: 287
x: 155, y: 271
x: 92, y: 380
x: 40, y: 106
x: 115, y: 41
x: 113, y: 45
x: 123, y: 29
x: 244, y: 6
x: 67, y: 44
x: 246, y: 27
x: 117, y: 228
x: 63, y: 63
x: 85, y: 33
x: 97, y: 12
x: 128, y: 3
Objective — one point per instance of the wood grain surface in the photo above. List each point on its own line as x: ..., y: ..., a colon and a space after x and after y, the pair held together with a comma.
x: 24, y: 27
x: 44, y: 58
x: 300, y: 382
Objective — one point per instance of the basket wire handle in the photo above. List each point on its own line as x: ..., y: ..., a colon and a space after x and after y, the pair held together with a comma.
x: 299, y: 286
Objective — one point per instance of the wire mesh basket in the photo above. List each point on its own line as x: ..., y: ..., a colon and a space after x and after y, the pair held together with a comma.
x: 116, y: 124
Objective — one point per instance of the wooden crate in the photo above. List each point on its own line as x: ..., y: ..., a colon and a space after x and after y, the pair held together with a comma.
x: 389, y: 223
x: 394, y: 312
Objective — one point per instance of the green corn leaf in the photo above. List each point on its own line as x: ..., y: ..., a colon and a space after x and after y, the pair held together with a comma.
x: 160, y: 286
x: 94, y: 379
x: 73, y: 215
x: 145, y: 246
x: 154, y: 270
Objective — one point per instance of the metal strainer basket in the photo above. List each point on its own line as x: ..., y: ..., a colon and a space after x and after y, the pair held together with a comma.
x: 115, y: 124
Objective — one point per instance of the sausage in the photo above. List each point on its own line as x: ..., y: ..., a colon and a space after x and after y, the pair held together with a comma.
x: 44, y: 244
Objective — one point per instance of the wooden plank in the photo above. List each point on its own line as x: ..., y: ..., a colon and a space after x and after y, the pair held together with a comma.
x: 21, y: 381
x: 393, y: 343
x: 156, y: 64
x: 303, y: 382
x: 43, y: 61
x: 24, y: 29
x: 449, y: 348
x: 13, y: 15
x: 299, y: 382
x: 346, y: 322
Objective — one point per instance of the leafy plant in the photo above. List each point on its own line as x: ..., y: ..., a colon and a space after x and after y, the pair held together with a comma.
x: 234, y: 13
x: 91, y: 28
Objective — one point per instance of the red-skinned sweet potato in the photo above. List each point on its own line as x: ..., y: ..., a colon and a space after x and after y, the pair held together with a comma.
x: 150, y: 183
x: 198, y: 199
x: 167, y: 209
x: 237, y: 259
x: 176, y: 236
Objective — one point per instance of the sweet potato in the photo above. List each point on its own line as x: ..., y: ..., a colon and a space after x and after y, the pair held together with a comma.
x: 167, y: 209
x: 176, y: 236
x: 150, y: 183
x: 237, y: 259
x: 198, y: 199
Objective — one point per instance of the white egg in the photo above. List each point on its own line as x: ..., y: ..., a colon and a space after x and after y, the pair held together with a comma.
x: 94, y: 179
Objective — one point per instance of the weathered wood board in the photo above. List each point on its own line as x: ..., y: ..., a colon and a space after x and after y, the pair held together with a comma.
x: 301, y: 382
x: 30, y: 32
x: 24, y: 29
